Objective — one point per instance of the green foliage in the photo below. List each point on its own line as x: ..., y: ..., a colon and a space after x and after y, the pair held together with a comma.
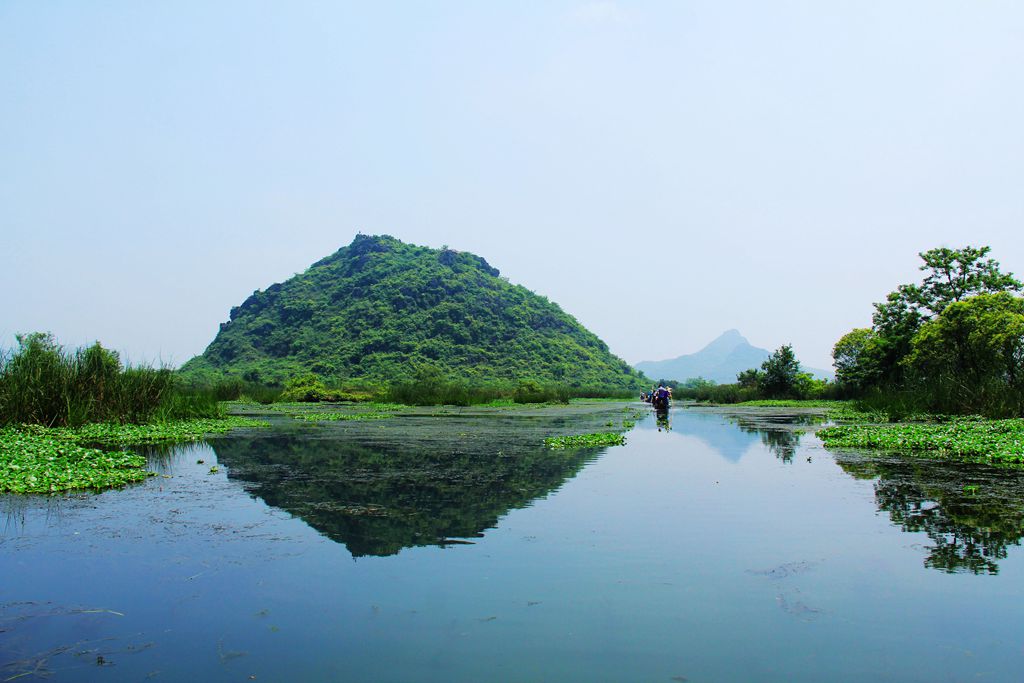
x: 779, y: 373
x: 596, y: 440
x: 42, y: 383
x: 750, y: 378
x: 35, y: 462
x: 853, y: 358
x: 306, y: 388
x: 954, y: 275
x: 716, y: 393
x: 235, y: 389
x: 335, y: 417
x: 952, y: 343
x: 378, y: 309
x: 972, y: 355
x: 997, y: 441
x: 530, y: 391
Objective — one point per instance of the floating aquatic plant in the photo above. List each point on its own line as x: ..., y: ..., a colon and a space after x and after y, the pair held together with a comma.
x: 998, y: 441
x: 585, y: 440
x: 31, y: 462
x: 329, y: 417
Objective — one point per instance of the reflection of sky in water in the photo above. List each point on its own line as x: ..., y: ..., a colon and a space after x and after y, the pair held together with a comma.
x: 694, y: 553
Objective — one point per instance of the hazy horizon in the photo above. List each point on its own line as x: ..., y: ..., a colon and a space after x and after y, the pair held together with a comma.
x: 778, y: 165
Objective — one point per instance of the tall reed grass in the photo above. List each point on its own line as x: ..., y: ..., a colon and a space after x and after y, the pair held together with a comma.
x: 42, y: 383
x: 945, y: 395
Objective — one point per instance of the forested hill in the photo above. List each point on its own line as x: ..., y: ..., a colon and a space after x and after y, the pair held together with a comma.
x: 383, y: 310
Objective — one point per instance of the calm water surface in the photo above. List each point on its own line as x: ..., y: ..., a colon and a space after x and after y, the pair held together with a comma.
x: 729, y: 548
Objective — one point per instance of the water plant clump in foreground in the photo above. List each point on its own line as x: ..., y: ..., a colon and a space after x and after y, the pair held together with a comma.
x: 585, y: 440
x: 995, y: 441
x: 37, y: 459
x: 34, y: 462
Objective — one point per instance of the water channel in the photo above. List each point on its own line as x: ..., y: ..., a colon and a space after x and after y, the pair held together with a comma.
x: 724, y: 546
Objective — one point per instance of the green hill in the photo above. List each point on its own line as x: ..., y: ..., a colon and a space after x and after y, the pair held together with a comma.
x: 382, y: 310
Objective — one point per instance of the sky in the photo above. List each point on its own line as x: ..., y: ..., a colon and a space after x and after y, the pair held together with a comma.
x: 664, y: 171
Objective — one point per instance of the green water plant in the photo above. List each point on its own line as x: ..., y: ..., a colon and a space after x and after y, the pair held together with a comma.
x: 594, y: 440
x: 35, y: 462
x: 107, y: 434
x: 995, y: 441
x: 333, y: 417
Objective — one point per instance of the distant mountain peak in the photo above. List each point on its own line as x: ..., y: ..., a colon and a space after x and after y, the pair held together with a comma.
x: 720, y: 361
x: 728, y: 339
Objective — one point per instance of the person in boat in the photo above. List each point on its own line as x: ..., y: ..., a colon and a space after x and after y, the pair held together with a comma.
x: 661, y: 397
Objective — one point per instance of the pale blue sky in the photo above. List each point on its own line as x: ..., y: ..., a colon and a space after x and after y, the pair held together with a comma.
x: 780, y: 162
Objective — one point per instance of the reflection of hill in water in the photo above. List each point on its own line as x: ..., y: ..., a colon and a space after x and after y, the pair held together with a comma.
x: 970, y: 529
x: 709, y: 427
x: 378, y: 490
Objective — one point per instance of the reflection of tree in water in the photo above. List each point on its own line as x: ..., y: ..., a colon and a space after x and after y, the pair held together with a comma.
x: 378, y: 498
x: 781, y: 441
x: 971, y: 529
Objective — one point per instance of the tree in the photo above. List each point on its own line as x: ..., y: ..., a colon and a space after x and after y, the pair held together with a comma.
x: 749, y: 379
x: 956, y: 274
x: 779, y: 374
x: 978, y: 343
x: 952, y: 275
x: 853, y: 358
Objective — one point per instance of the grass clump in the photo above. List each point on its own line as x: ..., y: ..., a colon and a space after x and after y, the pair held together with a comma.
x: 993, y: 441
x: 594, y: 440
x: 42, y: 383
x: 34, y: 462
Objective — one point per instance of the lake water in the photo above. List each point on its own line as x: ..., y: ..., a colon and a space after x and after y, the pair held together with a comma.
x: 731, y: 547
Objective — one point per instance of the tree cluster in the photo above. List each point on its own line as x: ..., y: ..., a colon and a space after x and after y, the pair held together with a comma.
x: 955, y: 341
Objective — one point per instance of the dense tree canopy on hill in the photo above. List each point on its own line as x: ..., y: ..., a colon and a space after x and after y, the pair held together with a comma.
x: 384, y: 311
